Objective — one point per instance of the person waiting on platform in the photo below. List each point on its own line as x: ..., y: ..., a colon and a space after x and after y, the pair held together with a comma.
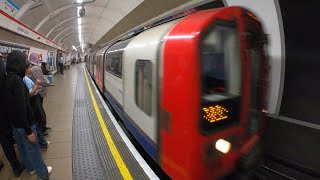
x: 35, y: 101
x: 6, y: 138
x: 47, y: 73
x: 42, y: 90
x: 61, y: 64
x: 21, y: 116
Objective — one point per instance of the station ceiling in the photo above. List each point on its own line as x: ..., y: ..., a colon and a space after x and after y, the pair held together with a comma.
x: 57, y: 19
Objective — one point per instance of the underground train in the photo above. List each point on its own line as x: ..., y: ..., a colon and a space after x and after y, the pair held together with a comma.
x: 191, y: 91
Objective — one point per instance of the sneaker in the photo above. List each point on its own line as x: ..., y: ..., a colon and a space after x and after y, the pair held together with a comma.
x: 43, y: 148
x: 18, y: 171
x: 49, y: 169
x: 32, y: 172
x: 45, y: 134
x: 47, y: 129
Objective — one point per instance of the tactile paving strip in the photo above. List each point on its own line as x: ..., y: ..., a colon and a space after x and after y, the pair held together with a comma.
x: 85, y: 160
x: 112, y: 171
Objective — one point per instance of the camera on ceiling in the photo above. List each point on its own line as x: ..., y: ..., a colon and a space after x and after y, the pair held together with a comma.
x: 82, y: 12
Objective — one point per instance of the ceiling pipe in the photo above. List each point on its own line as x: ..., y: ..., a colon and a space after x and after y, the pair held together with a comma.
x: 36, y: 4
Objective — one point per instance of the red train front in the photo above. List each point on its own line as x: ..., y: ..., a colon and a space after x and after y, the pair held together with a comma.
x: 213, y: 92
x: 207, y: 83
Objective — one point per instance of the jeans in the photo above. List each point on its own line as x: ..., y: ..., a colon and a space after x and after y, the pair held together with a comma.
x: 50, y: 78
x: 7, y: 141
x: 30, y: 152
x: 42, y: 142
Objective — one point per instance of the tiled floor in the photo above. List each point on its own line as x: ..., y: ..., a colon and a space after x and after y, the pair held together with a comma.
x: 58, y: 104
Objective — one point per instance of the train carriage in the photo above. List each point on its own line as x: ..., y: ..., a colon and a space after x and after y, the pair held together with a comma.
x: 192, y: 91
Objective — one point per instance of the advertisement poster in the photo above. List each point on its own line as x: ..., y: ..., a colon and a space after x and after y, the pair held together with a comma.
x: 36, y: 55
x: 51, y: 61
x: 6, y: 48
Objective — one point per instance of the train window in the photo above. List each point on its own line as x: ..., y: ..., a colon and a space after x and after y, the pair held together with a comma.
x: 143, y: 85
x: 220, y: 77
x: 114, y: 58
x: 114, y: 65
x: 221, y: 62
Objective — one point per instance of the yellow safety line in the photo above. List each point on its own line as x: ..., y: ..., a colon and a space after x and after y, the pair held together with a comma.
x: 114, y: 151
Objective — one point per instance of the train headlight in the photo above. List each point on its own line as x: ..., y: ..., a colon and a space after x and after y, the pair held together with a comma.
x: 223, y: 146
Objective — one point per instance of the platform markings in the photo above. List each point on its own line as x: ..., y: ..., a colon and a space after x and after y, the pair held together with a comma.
x: 144, y: 165
x: 114, y: 151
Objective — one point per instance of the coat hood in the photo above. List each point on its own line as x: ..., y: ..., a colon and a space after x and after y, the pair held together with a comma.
x: 16, y: 63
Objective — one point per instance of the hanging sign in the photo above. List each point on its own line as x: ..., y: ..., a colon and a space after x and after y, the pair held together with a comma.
x: 9, y: 7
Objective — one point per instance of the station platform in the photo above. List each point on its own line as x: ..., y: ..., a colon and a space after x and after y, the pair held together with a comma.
x: 86, y: 142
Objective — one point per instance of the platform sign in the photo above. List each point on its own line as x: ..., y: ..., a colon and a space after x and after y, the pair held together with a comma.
x: 9, y: 7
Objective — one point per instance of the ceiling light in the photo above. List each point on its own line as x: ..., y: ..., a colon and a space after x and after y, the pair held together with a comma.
x: 74, y: 47
x: 78, y: 10
x: 79, y: 21
x: 79, y: 1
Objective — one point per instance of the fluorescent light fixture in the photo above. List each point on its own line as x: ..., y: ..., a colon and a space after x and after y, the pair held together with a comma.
x: 79, y: 1
x: 74, y: 47
x: 79, y: 27
x: 82, y: 46
x: 223, y: 146
x: 79, y: 21
x: 78, y: 11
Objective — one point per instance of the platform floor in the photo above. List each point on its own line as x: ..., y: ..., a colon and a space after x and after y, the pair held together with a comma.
x: 84, y: 143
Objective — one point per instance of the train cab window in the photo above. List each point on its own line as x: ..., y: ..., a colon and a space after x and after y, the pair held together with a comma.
x: 220, y: 77
x: 143, y: 85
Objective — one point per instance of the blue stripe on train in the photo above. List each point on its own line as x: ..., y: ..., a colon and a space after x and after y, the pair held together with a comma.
x: 139, y: 135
